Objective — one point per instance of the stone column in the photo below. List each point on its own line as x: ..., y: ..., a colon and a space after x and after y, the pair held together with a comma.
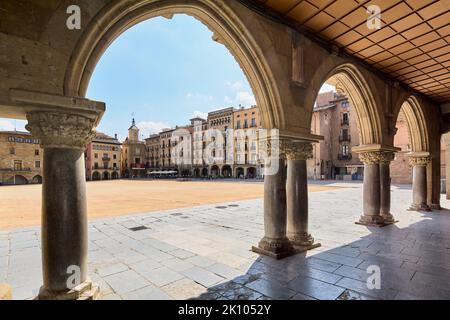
x: 371, y: 189
x: 275, y: 242
x: 63, y: 136
x: 297, y: 195
x: 385, y: 187
x: 420, y: 186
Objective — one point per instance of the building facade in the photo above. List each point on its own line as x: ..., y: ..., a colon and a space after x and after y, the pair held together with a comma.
x: 223, y: 145
x: 134, y: 154
x: 20, y: 158
x: 334, y: 119
x: 103, y: 158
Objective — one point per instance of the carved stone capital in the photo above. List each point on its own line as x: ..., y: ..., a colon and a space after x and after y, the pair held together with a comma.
x: 298, y: 150
x: 61, y: 130
x: 371, y: 157
x: 272, y: 148
x: 419, y: 161
x: 386, y: 157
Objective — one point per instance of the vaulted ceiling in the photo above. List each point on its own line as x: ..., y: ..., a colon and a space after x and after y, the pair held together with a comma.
x: 412, y: 45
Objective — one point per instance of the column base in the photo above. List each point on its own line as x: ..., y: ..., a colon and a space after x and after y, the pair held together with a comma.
x: 374, y: 221
x: 303, y: 242
x: 85, y: 291
x: 388, y: 218
x: 435, y: 206
x: 275, y: 248
x: 419, y: 207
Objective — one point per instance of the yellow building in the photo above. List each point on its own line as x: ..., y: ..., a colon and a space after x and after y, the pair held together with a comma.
x: 246, y: 125
x: 153, y: 151
x: 133, y: 154
x: 20, y: 158
x: 103, y: 158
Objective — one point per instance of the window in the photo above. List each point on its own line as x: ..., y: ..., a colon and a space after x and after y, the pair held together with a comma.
x: 36, y: 152
x: 37, y: 164
x: 345, y: 118
x: 96, y: 155
x: 114, y: 156
x: 253, y: 122
x: 17, y: 165
x: 96, y: 165
x: 12, y: 151
x: 238, y: 124
x: 245, y: 123
x: 345, y: 150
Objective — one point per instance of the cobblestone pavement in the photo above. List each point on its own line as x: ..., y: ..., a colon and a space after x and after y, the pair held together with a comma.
x: 203, y: 253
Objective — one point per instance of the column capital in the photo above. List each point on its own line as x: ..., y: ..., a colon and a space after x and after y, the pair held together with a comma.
x: 59, y: 121
x: 370, y: 157
x: 377, y: 157
x: 386, y: 157
x: 61, y: 130
x: 421, y: 161
x: 298, y: 150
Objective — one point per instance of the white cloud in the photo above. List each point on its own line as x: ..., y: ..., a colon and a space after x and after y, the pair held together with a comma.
x: 199, y: 97
x: 200, y: 114
x: 327, y: 88
x: 150, y: 127
x: 236, y: 86
x: 9, y: 125
x: 245, y: 98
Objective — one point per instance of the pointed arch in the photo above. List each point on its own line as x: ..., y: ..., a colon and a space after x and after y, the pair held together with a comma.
x: 218, y: 15
x: 350, y: 81
x: 417, y: 125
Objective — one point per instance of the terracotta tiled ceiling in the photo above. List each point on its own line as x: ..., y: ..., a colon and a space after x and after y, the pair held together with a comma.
x: 412, y: 46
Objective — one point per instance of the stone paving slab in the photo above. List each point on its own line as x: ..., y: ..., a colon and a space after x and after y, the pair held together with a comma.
x: 204, y: 253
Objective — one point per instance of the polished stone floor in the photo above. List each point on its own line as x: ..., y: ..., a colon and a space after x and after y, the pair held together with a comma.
x: 203, y: 253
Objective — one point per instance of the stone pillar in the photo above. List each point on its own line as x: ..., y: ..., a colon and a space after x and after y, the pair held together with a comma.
x: 419, y: 164
x: 275, y: 242
x: 297, y: 195
x: 371, y: 189
x: 385, y: 187
x: 63, y: 134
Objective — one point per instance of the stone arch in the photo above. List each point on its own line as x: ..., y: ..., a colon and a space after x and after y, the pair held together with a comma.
x: 37, y: 179
x: 217, y: 15
x: 105, y: 175
x: 17, y: 180
x: 251, y: 172
x: 417, y: 125
x: 240, y: 172
x: 350, y: 80
x: 115, y: 175
x: 96, y: 176
x: 227, y: 171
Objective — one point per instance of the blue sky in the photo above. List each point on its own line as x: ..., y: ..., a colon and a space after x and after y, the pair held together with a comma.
x: 163, y: 72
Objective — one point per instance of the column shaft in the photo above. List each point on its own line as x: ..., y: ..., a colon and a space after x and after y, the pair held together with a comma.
x: 419, y: 188
x: 385, y: 189
x: 297, y: 202
x: 275, y: 243
x: 64, y: 217
x: 371, y: 189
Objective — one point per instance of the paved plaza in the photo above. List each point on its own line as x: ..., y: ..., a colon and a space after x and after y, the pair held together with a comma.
x: 119, y: 197
x: 203, y: 253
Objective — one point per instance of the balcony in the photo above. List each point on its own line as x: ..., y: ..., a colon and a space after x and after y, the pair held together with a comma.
x: 106, y: 158
x: 344, y: 156
x: 17, y: 169
x: 345, y: 138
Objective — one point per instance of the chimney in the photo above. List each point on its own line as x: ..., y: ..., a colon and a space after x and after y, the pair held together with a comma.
x: 115, y: 136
